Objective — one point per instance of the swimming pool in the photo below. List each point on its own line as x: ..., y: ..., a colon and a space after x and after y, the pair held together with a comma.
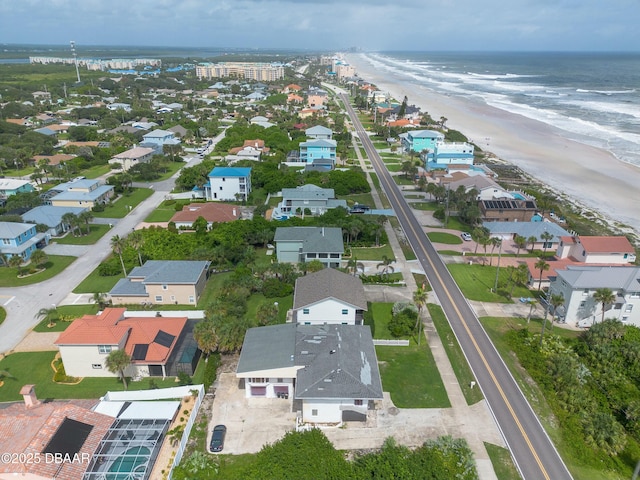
x: 518, y: 196
x: 129, y: 466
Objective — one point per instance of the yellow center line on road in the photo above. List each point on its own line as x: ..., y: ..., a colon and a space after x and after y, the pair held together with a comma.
x: 373, y: 156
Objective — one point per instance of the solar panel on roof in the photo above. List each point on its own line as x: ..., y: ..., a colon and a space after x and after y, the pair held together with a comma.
x: 69, y: 437
x: 529, y: 205
x: 164, y: 339
x: 140, y: 351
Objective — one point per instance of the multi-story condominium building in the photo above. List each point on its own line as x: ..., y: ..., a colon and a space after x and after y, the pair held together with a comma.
x: 265, y: 72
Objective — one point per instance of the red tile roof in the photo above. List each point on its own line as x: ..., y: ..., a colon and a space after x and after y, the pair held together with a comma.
x: 593, y: 244
x: 211, y: 212
x: 103, y: 329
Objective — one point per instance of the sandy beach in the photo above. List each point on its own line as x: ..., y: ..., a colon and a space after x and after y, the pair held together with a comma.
x: 592, y: 177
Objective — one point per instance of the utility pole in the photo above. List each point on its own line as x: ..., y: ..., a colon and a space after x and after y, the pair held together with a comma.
x: 75, y: 59
x: 495, y: 286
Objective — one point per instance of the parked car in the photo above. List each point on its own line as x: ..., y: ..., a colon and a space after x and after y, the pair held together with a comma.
x: 466, y: 236
x: 217, y: 438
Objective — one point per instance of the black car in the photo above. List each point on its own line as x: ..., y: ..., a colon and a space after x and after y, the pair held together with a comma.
x: 217, y: 438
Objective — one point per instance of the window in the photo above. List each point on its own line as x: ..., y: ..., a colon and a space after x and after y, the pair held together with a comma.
x: 258, y: 380
x: 357, y: 402
x: 628, y: 308
x: 220, y: 188
x: 585, y: 293
x: 345, y: 311
x: 224, y: 179
x: 192, y: 299
x: 305, y: 311
x: 164, y: 287
x: 173, y: 298
x: 104, y: 348
x: 635, y: 294
x: 159, y: 298
x: 280, y: 380
x: 314, y: 412
x: 335, y: 255
x: 311, y: 255
x: 96, y: 366
x: 583, y: 303
x: 323, y: 255
x: 307, y: 323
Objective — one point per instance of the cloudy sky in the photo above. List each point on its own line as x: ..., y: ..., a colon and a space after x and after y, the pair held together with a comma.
x: 328, y: 24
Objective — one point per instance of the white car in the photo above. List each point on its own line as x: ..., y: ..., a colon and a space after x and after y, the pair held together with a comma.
x: 466, y: 236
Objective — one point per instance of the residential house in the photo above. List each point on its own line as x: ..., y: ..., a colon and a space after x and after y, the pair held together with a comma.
x: 54, y: 160
x: 596, y: 249
x: 86, y: 193
x: 150, y: 342
x: 487, y: 188
x: 451, y: 153
x: 162, y: 282
x: 11, y: 186
x: 508, y: 210
x: 319, y: 133
x: 228, y: 183
x: 330, y: 370
x: 307, y: 199
x: 292, y: 87
x: 211, y: 212
x: 38, y: 430
x: 51, y: 217
x: 132, y: 157
x: 329, y: 296
x: 179, y: 130
x: 294, y: 98
x: 161, y: 138
x: 420, y: 140
x: 261, y: 121
x: 119, y: 106
x: 304, y: 244
x: 317, y: 98
x: 20, y: 239
x: 578, y: 284
x: 320, y: 149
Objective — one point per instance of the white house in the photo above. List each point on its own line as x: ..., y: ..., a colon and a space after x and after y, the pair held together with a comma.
x: 161, y: 138
x: 329, y: 296
x: 330, y: 370
x: 307, y: 198
x: 228, y: 183
x: 149, y: 341
x: 597, y: 249
x: 577, y: 285
x: 132, y: 157
x: 319, y: 133
x: 304, y: 244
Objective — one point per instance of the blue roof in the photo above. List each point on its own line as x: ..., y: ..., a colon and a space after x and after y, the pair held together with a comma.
x: 230, y: 172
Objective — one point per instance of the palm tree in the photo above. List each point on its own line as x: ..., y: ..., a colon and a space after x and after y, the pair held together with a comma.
x: 419, y: 298
x: 136, y: 240
x: 386, y: 265
x: 38, y: 258
x: 15, y: 261
x: 521, y: 242
x: 4, y: 374
x: 86, y: 217
x: 604, y: 296
x: 117, y: 362
x: 206, y: 337
x: 546, y: 236
x: 495, y: 242
x: 118, y: 245
x: 556, y: 300
x: 51, y: 315
x: 71, y: 221
x: 353, y: 265
x: 543, y: 267
x: 99, y: 299
x: 532, y: 240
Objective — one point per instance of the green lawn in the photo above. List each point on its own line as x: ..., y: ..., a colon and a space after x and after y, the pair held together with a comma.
x: 211, y: 289
x: 361, y: 198
x: 172, y: 167
x: 395, y: 167
x: 96, y: 171
x: 3, y: 315
x: 454, y: 353
x: 35, y: 368
x: 476, y: 282
x: 402, y: 180
x: 257, y: 299
x: 426, y: 206
x: 164, y: 211
x: 96, y: 233
x: 443, y: 237
x: 372, y: 253
x: 54, y: 265
x: 124, y: 204
x: 94, y: 283
x: 502, y: 462
x: 67, y: 313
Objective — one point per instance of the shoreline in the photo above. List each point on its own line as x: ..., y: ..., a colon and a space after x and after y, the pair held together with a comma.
x: 590, y: 177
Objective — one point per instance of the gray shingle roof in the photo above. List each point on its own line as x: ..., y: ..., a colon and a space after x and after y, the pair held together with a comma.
x: 527, y: 229
x: 266, y: 348
x: 314, y: 239
x: 340, y: 362
x: 615, y: 278
x: 50, y: 215
x: 329, y: 283
x: 307, y: 192
x: 125, y: 288
x: 170, y: 271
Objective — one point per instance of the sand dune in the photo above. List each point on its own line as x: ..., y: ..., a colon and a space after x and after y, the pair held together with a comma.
x: 591, y: 176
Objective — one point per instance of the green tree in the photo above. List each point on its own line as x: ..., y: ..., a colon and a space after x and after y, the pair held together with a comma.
x: 420, y: 299
x: 99, y: 299
x: 206, y: 337
x: 555, y: 301
x: 51, y: 315
x: 38, y: 258
x: 386, y: 265
x: 15, y: 261
x: 136, y: 240
x: 605, y: 297
x: 86, y: 217
x: 267, y: 313
x: 542, y: 266
x: 532, y: 240
x: 118, y: 245
x: 314, y: 266
x: 70, y: 220
x: 546, y: 237
x: 520, y: 242
x: 117, y: 362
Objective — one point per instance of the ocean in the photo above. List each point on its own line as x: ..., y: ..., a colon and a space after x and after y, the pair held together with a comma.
x: 594, y: 98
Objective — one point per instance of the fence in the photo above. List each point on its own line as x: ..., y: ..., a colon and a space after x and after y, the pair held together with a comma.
x: 187, y: 428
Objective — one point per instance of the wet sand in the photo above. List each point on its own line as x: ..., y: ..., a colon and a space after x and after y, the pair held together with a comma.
x: 591, y: 177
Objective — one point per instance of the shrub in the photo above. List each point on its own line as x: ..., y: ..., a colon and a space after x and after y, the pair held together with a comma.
x: 184, y: 379
x: 403, y: 323
x: 98, y: 208
x: 110, y: 267
x: 211, y: 370
x: 272, y: 287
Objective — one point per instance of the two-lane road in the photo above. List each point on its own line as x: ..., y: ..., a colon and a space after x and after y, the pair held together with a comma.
x: 531, y: 448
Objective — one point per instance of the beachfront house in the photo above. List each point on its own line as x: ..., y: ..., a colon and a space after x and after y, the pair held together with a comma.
x: 331, y: 371
x: 162, y: 282
x: 444, y: 154
x: 318, y: 149
x: 307, y: 200
x: 304, y: 244
x: 150, y: 342
x: 228, y: 184
x: 329, y: 296
x: 20, y: 239
x: 578, y: 284
x: 508, y: 210
x: 420, y: 140
x: 596, y: 249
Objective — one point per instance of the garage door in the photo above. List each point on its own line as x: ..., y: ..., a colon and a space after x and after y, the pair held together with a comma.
x: 258, y: 391
x: 281, y: 389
